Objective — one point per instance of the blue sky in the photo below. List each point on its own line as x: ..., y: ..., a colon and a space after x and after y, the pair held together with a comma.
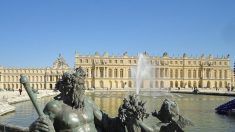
x: 33, y: 33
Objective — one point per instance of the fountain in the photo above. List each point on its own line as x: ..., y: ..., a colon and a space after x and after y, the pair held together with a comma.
x: 143, y: 71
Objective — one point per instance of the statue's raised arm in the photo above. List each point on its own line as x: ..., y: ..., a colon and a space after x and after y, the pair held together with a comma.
x: 42, y: 124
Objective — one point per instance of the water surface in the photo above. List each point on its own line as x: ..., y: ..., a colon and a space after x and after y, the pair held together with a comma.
x: 197, y: 108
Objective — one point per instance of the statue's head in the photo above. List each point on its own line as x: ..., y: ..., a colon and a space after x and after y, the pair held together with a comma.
x: 72, y: 87
x: 79, y: 76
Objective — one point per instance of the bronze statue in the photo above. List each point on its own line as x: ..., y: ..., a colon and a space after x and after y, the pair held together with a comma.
x: 171, y: 120
x: 72, y: 111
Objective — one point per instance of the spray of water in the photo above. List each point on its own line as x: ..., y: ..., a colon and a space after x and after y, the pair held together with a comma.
x: 142, y: 71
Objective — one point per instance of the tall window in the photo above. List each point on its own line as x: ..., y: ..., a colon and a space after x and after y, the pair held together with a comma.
x: 181, y: 74
x: 115, y: 73
x: 215, y: 74
x: 225, y: 74
x: 110, y: 73
x: 129, y: 73
x: 156, y: 72
x: 189, y: 74
x: 171, y: 73
x: 220, y: 73
x: 101, y: 72
x: 176, y: 73
x: 207, y: 73
x: 194, y: 73
x: 121, y: 73
x: 161, y: 72
x: 199, y: 73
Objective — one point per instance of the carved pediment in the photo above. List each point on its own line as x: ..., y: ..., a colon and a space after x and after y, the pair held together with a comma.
x: 60, y: 63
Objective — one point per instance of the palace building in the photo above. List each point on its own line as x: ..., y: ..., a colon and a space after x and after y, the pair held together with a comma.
x: 110, y: 72
x: 115, y: 72
x: 40, y: 78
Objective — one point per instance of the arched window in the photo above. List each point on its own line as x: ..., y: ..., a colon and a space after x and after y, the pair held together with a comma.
x: 176, y: 84
x: 122, y: 84
x: 189, y: 84
x: 181, y: 84
x: 208, y: 84
x: 194, y: 84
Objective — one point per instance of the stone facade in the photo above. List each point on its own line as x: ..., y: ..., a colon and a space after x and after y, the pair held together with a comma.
x: 40, y: 78
x: 110, y: 72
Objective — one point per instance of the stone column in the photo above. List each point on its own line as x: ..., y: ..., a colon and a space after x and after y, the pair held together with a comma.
x: 113, y: 71
x: 105, y: 72
x: 118, y: 73
x: 98, y: 72
x: 89, y: 74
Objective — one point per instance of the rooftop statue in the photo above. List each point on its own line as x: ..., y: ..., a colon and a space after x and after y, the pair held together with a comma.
x: 72, y: 111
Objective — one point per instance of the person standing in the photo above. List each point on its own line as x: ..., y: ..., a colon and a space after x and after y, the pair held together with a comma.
x: 20, y: 90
